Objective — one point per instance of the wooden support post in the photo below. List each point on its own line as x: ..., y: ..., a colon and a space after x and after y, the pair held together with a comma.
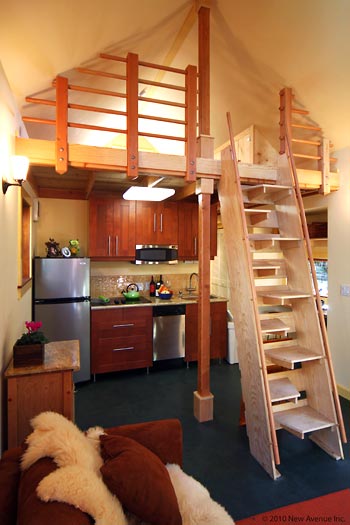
x: 204, y: 69
x: 286, y: 98
x: 323, y: 166
x: 61, y: 125
x: 132, y: 101
x: 203, y: 399
x: 191, y: 123
x: 205, y: 147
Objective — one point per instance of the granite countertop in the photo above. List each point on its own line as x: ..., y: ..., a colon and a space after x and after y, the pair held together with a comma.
x: 155, y: 301
x: 58, y: 356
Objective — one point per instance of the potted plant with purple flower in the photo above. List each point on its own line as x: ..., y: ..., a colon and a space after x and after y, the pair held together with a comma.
x: 29, y: 348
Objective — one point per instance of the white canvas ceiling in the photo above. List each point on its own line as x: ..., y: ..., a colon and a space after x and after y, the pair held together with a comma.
x: 257, y: 47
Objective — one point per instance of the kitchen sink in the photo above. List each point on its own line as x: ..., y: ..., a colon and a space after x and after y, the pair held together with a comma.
x: 194, y: 297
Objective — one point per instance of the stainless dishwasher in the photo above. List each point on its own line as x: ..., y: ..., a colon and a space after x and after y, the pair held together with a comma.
x: 169, y: 331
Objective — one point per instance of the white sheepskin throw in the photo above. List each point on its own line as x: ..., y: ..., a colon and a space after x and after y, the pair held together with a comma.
x: 78, y: 481
x: 195, y: 504
x: 58, y: 438
x: 82, y: 488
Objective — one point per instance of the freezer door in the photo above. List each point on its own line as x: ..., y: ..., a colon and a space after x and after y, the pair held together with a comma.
x: 66, y: 321
x: 60, y: 278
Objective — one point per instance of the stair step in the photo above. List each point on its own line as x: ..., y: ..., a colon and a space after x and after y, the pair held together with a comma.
x: 267, y: 193
x: 288, y: 356
x: 299, y: 421
x: 266, y: 264
x: 282, y: 389
x: 256, y: 214
x: 264, y: 241
x: 270, y: 280
x: 283, y: 296
x: 271, y: 237
x: 273, y: 325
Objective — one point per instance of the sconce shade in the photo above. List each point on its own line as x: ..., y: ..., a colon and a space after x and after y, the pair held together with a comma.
x: 19, y: 171
x: 140, y: 193
x: 20, y: 166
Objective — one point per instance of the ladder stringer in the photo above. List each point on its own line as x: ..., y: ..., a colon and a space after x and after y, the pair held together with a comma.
x: 255, y: 390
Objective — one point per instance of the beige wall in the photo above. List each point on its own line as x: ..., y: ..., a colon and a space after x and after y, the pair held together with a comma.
x: 338, y: 206
x: 14, y: 310
x: 62, y: 220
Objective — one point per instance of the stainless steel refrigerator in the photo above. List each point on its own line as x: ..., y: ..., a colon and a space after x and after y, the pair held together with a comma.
x: 61, y: 301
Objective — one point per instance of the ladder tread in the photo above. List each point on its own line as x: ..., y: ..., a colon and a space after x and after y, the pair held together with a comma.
x: 266, y: 264
x: 288, y: 356
x: 268, y: 188
x: 302, y: 420
x: 257, y: 211
x: 270, y: 237
x: 283, y: 294
x: 282, y: 389
x: 273, y: 325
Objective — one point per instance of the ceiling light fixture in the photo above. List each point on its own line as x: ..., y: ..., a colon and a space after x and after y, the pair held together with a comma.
x: 19, y: 171
x: 142, y: 193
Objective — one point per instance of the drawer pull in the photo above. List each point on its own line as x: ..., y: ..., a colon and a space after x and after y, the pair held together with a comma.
x: 125, y: 348
x: 121, y: 325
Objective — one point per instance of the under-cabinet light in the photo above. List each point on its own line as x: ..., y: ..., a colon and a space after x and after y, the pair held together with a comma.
x: 141, y: 193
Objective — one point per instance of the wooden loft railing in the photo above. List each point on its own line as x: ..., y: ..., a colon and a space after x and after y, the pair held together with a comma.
x: 313, y: 148
x: 131, y: 93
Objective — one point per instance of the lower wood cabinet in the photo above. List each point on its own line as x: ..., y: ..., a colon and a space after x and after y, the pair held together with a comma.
x: 121, y: 339
x: 218, y: 331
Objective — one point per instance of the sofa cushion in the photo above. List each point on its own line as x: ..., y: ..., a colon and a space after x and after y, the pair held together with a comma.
x: 9, y: 479
x: 140, y: 480
x: 33, y: 511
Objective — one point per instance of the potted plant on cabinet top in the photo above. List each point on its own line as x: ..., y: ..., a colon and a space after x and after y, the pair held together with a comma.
x: 29, y: 348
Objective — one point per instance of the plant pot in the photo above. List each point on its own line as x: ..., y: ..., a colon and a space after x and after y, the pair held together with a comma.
x: 28, y: 355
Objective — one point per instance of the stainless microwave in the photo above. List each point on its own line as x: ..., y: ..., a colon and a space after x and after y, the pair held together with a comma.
x: 156, y: 254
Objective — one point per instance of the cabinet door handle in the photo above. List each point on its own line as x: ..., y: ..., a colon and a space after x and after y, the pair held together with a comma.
x: 125, y: 348
x: 154, y: 223
x: 195, y: 245
x: 122, y: 325
x: 109, y: 245
x: 116, y: 244
x: 161, y: 223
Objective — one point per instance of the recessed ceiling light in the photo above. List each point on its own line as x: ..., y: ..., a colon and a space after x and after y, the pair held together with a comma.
x: 140, y: 193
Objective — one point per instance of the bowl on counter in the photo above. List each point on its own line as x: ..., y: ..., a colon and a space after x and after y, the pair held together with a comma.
x: 165, y: 296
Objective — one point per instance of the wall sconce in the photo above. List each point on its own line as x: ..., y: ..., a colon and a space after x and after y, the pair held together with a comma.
x: 19, y: 171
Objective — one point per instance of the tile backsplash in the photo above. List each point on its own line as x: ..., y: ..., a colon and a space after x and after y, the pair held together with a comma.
x: 113, y: 285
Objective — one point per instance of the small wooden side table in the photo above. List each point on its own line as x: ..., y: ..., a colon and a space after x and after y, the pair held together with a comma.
x: 35, y: 389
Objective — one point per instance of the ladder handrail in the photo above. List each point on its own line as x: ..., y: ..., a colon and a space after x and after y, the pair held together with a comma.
x: 256, y: 313
x: 289, y: 153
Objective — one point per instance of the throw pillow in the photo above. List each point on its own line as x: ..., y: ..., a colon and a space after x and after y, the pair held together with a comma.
x: 140, y: 480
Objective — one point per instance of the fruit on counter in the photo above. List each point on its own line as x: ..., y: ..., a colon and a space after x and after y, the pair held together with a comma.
x: 103, y: 298
x: 163, y: 289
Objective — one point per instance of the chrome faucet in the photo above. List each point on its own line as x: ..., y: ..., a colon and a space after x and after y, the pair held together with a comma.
x: 191, y: 288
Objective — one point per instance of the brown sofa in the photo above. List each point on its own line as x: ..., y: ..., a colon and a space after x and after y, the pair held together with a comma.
x: 19, y: 503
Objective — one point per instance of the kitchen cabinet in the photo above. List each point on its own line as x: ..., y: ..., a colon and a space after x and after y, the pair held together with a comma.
x: 121, y: 339
x: 188, y: 231
x: 218, y: 331
x: 35, y: 389
x: 156, y: 222
x: 111, y: 228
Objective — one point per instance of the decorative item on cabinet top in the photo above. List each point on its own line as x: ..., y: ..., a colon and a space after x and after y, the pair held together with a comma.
x: 29, y: 348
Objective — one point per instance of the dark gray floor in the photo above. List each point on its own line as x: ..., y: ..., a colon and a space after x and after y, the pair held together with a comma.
x: 215, y: 453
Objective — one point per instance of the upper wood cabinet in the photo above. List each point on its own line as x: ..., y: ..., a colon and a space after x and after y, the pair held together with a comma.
x: 156, y: 223
x: 112, y: 228
x: 188, y: 231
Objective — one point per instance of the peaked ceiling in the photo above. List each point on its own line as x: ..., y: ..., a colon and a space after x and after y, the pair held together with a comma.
x: 257, y: 47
